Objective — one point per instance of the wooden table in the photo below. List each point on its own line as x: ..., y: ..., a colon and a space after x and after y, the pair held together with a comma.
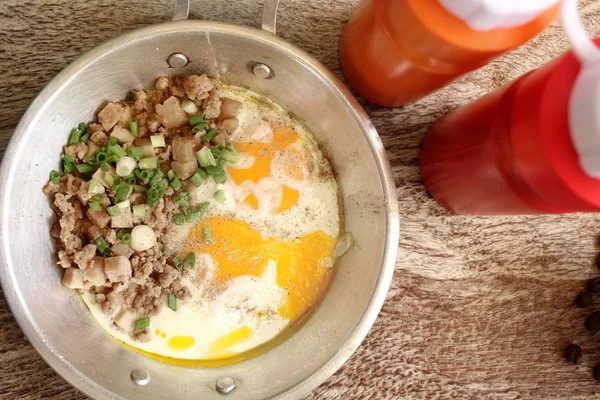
x: 480, y: 308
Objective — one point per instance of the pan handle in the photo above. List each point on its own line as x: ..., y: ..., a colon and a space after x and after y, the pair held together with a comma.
x: 181, y: 11
x: 269, y: 17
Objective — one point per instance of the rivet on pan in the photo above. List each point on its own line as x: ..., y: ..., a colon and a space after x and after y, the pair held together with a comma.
x: 261, y: 70
x: 177, y: 60
x: 225, y: 385
x: 140, y: 377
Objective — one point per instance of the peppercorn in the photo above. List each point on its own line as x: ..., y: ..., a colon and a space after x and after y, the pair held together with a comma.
x: 596, y: 372
x: 573, y: 353
x: 593, y: 285
x: 584, y: 299
x: 592, y: 322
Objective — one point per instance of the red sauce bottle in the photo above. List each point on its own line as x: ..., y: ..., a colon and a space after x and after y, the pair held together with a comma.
x: 394, y: 52
x: 530, y: 147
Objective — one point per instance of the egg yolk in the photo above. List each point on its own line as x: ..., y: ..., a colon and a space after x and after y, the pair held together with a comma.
x: 240, y: 250
x: 234, y: 337
x: 264, y: 153
x: 181, y: 342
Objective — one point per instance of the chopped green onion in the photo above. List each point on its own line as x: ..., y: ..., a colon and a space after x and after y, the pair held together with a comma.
x: 97, y: 197
x: 208, y: 237
x: 198, y: 177
x: 203, y: 207
x: 190, y: 260
x: 178, y: 262
x: 158, y: 175
x: 55, y: 177
x: 209, y: 135
x: 166, y: 251
x: 130, y: 179
x: 192, y: 217
x: 205, y: 157
x: 140, y: 211
x: 163, y: 185
x: 172, y: 302
x: 105, y: 167
x: 179, y: 219
x: 113, y: 211
x: 68, y: 164
x: 158, y: 141
x: 171, y: 175
x: 75, y: 136
x: 139, y: 189
x: 91, y: 160
x: 133, y: 127
x: 217, y: 149
x: 220, y: 177
x: 117, y: 151
x: 121, y: 192
x: 103, y: 247
x: 84, y: 168
x: 109, y: 179
x: 220, y: 196
x: 101, y: 156
x: 176, y: 184
x: 148, y: 163
x: 126, y: 239
x: 82, y: 127
x: 181, y: 202
x: 85, y: 138
x: 113, y: 141
x: 200, y: 127
x: 230, y: 156
x: 120, y: 234
x: 95, y: 206
x: 147, y: 174
x: 142, y: 323
x: 93, y: 186
x: 136, y: 152
x: 196, y: 119
x: 129, y: 96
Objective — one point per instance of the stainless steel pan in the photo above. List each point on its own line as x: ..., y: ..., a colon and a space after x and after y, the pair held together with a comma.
x: 54, y: 319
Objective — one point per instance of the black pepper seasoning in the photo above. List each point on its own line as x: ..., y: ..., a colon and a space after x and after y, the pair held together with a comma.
x: 596, y: 372
x: 573, y: 353
x: 593, y: 285
x: 592, y: 322
x: 584, y: 299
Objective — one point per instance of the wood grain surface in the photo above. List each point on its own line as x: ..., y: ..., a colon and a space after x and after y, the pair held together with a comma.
x: 480, y: 308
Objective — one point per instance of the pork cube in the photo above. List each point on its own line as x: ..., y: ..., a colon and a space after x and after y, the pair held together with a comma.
x: 117, y: 269
x: 170, y: 113
x: 123, y: 135
x: 73, y: 278
x: 125, y: 218
x: 113, y: 113
x: 95, y: 275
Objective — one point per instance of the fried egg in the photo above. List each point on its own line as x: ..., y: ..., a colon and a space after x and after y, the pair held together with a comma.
x: 272, y: 250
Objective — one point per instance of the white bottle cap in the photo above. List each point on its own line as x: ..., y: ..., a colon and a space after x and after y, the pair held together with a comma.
x: 584, y: 104
x: 487, y: 15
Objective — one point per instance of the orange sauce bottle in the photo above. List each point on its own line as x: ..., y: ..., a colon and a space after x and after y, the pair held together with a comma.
x: 395, y: 52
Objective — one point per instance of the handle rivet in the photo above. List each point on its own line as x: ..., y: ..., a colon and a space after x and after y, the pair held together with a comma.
x: 261, y: 70
x: 177, y: 60
x: 140, y: 377
x: 225, y: 385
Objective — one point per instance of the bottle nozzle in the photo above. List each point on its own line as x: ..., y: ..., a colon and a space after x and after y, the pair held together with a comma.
x: 582, y: 45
